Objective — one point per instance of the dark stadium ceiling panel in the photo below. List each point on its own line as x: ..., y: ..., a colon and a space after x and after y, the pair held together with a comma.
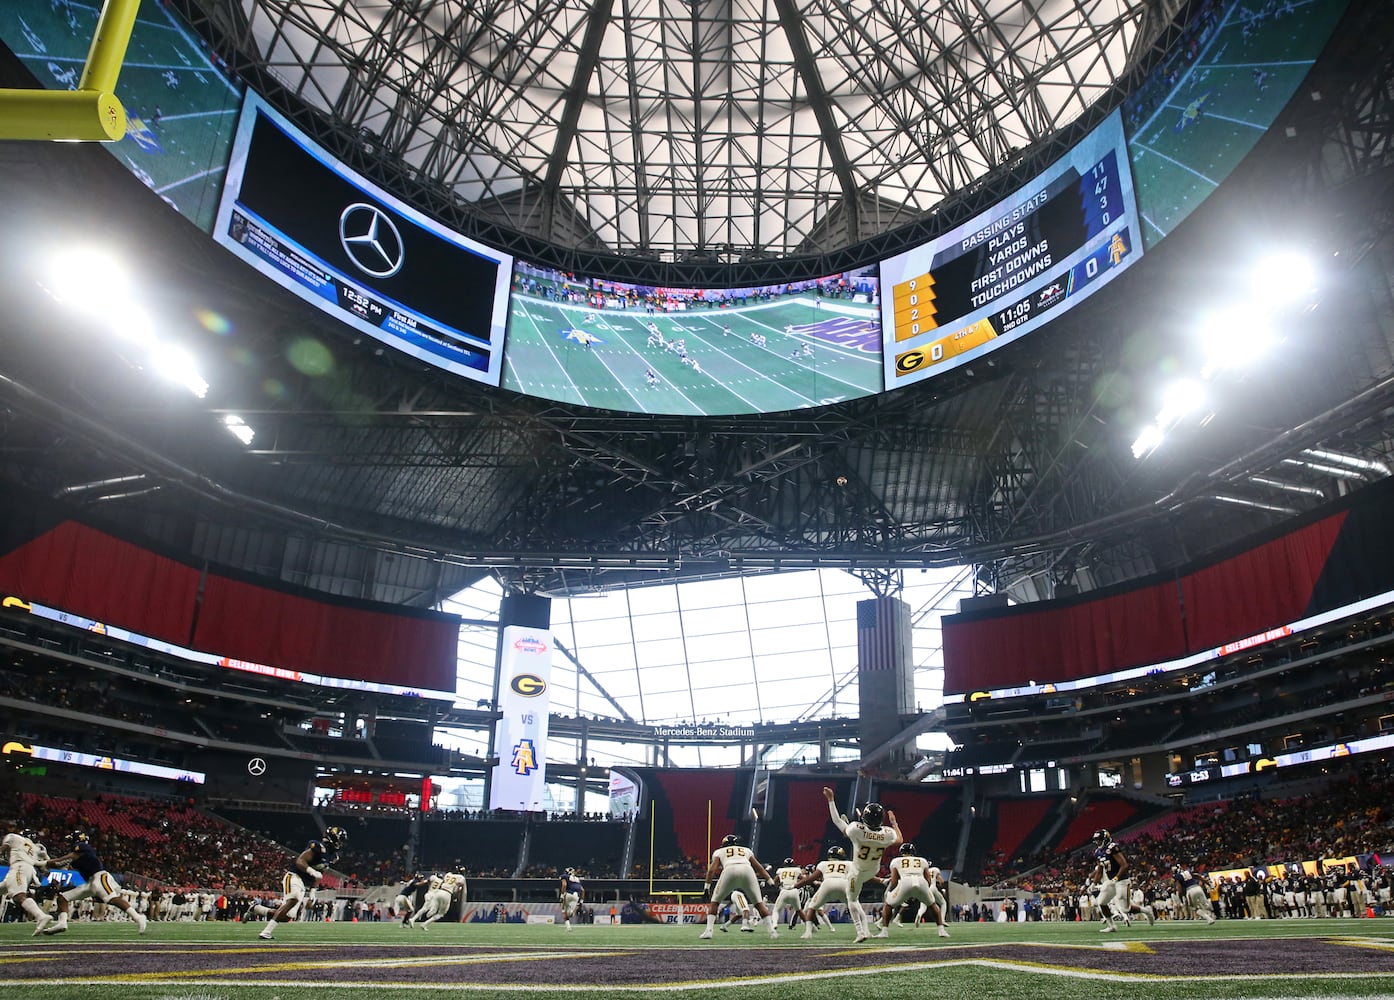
x: 373, y: 476
x: 733, y: 128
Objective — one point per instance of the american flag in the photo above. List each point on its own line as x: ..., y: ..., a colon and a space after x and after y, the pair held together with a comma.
x: 878, y: 633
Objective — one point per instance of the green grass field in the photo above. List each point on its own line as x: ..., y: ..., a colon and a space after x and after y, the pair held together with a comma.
x: 1242, y: 959
x: 180, y: 150
x: 732, y: 374
x: 1243, y: 76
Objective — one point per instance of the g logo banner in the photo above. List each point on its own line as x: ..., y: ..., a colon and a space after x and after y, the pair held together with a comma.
x: 528, y: 685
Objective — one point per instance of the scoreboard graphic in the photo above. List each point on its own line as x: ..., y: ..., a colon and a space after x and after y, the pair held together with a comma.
x: 999, y: 276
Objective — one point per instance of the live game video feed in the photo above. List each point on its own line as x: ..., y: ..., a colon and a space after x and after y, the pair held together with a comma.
x: 653, y: 349
x: 181, y: 108
x: 1214, y: 96
x: 1002, y: 274
x: 315, y: 227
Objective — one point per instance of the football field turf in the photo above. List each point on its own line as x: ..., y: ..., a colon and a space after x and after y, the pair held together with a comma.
x: 1172, y: 961
x: 810, y: 355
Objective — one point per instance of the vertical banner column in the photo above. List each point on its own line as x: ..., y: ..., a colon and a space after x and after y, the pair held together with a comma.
x: 520, y: 740
x: 885, y: 669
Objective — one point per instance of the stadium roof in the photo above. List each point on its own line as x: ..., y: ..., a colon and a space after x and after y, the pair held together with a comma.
x: 733, y: 129
x: 374, y: 476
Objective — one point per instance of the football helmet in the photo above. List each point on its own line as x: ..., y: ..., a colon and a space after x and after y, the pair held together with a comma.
x: 837, y: 853
x: 907, y: 848
x: 873, y: 815
x: 788, y: 862
x: 569, y: 871
x: 730, y: 839
x: 335, y: 837
x: 30, y: 835
x: 78, y: 838
x: 1102, y: 837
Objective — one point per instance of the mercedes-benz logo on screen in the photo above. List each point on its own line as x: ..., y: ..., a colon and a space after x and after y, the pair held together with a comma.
x: 371, y: 240
x: 256, y: 766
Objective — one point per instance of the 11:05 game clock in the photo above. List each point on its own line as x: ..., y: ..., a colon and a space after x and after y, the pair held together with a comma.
x: 1002, y: 274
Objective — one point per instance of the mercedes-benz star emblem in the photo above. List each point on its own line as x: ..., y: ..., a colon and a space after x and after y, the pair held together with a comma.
x: 371, y: 240
x: 256, y: 765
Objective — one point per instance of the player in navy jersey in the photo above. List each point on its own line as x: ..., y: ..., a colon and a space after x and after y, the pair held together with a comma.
x: 304, y: 874
x: 572, y: 893
x: 1111, y: 873
x: 1190, y: 887
x: 97, y: 883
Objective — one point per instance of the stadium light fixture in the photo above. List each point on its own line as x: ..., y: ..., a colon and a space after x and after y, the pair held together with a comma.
x: 1235, y: 338
x: 1179, y: 401
x: 178, y: 366
x: 1282, y: 279
x: 239, y: 428
x: 86, y: 279
x: 1148, y: 441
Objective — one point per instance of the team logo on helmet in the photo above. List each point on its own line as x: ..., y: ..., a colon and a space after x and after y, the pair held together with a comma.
x: 873, y: 815
x: 837, y: 853
x: 730, y: 839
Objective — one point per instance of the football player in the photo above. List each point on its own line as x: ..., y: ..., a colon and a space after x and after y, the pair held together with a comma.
x: 98, y: 883
x: 1111, y: 873
x: 442, y: 893
x: 304, y: 874
x: 871, y: 836
x: 835, y: 878
x: 912, y: 877
x: 25, y: 855
x: 410, y: 897
x: 572, y: 895
x: 733, y: 866
x: 1190, y: 886
x: 787, y: 876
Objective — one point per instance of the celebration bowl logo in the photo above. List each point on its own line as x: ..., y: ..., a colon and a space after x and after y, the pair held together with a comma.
x: 371, y: 240
x: 530, y: 644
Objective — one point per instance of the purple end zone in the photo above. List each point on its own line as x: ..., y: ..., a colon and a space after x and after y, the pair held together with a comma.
x: 652, y: 966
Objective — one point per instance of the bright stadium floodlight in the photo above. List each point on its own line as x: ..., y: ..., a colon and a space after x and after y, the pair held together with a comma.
x: 1180, y: 400
x: 238, y: 428
x: 131, y: 322
x: 86, y: 279
x: 178, y: 366
x: 1282, y: 279
x: 1234, y: 339
x: 1148, y: 441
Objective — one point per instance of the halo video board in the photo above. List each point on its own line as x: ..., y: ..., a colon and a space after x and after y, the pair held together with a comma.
x: 1003, y: 273
x: 319, y: 229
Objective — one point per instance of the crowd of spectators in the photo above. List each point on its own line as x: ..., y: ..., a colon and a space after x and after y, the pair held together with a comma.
x: 1353, y: 815
x: 168, y: 842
